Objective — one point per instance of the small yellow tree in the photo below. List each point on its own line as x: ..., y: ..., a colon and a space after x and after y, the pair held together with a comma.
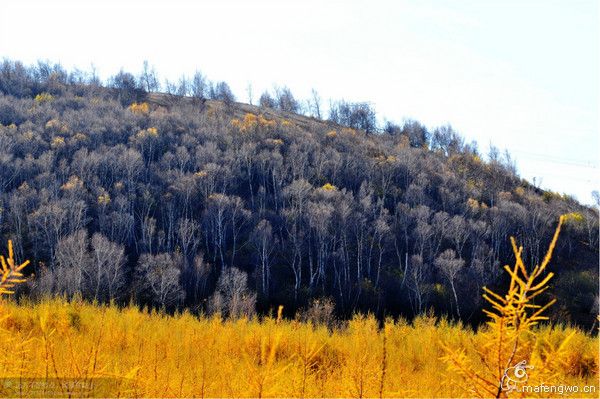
x: 510, y: 332
x: 11, y: 272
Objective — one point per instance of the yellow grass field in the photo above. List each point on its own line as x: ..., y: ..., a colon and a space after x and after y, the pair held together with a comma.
x: 145, y: 354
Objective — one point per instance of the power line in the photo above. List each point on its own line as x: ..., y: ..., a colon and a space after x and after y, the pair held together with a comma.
x: 570, y: 177
x: 555, y: 159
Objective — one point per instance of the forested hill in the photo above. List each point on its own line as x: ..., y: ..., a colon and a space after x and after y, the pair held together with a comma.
x: 202, y: 202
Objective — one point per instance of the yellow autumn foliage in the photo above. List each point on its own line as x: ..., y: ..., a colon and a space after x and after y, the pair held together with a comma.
x: 104, y: 199
x: 251, y: 122
x: 520, y: 191
x: 56, y: 126
x: 10, y: 274
x: 140, y: 108
x: 383, y: 159
x: 43, y: 98
x: 155, y: 355
x: 574, y: 218
x: 57, y: 142
x: 73, y: 183
x: 274, y: 142
x: 145, y: 133
x: 473, y: 204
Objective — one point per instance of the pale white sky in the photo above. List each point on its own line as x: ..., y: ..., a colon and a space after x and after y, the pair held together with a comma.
x: 523, y: 75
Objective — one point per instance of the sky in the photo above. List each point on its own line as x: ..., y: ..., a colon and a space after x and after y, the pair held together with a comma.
x: 521, y: 75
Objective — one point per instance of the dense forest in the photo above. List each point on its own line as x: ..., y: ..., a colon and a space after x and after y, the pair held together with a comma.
x: 180, y: 197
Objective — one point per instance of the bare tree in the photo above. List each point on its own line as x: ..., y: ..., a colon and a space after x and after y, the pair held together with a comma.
x: 447, y: 141
x: 223, y: 220
x: 450, y: 266
x: 315, y: 104
x: 355, y: 115
x: 423, y: 230
x: 199, y: 86
x: 148, y: 234
x: 419, y: 273
x: 596, y: 198
x: 382, y: 231
x: 72, y: 258
x: 106, y: 275
x: 320, y: 214
x: 222, y: 92
x: 249, y: 93
x: 285, y: 100
x: 195, y: 279
x: 148, y: 79
x: 188, y: 234
x: 127, y: 88
x: 266, y: 101
x: 157, y: 279
x: 232, y: 298
x: 297, y: 195
x: 53, y: 221
x: 170, y: 87
x: 184, y: 87
x: 262, y: 241
x: 458, y: 232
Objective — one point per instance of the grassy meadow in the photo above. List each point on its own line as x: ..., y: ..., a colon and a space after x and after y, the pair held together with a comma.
x: 149, y: 354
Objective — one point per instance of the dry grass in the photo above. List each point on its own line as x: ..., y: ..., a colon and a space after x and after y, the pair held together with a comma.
x: 154, y: 355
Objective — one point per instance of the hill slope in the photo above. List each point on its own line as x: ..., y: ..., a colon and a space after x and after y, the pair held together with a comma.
x: 215, y: 205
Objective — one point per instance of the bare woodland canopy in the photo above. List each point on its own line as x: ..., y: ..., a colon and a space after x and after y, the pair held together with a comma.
x: 189, y: 199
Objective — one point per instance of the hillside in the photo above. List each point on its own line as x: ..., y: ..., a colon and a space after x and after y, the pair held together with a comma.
x: 116, y: 193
